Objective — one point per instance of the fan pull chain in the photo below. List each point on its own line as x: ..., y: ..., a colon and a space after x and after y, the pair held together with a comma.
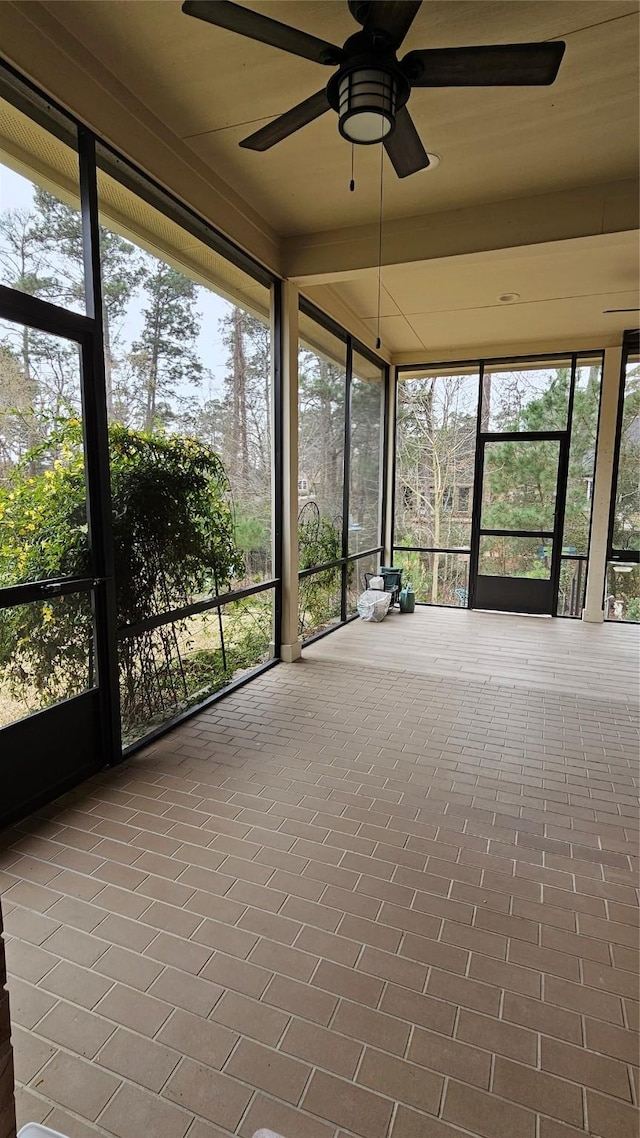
x: 352, y: 183
x: 378, y: 340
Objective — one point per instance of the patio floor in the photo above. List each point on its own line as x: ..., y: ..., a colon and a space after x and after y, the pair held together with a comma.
x: 385, y: 892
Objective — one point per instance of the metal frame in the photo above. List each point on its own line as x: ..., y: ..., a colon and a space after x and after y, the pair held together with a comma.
x: 478, y: 531
x: 278, y: 459
x: 97, y: 451
x: 472, y: 366
x: 346, y: 480
x: 52, y: 757
x: 170, y: 616
x: 630, y: 345
x: 31, y: 312
x: 86, y: 331
x: 352, y: 345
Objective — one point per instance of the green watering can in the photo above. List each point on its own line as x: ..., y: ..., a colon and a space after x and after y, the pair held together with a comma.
x: 407, y: 599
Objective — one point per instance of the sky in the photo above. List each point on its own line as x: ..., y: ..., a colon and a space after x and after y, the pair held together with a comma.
x: 16, y: 192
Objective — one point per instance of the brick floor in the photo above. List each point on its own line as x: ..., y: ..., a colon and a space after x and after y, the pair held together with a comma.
x: 350, y: 900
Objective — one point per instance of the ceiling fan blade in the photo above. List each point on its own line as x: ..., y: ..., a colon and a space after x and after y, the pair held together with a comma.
x: 404, y: 147
x: 606, y: 311
x: 394, y: 17
x: 247, y: 22
x: 503, y: 65
x: 288, y: 123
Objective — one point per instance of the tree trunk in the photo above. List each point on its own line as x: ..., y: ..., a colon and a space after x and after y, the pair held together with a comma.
x: 332, y: 477
x: 152, y: 378
x: 239, y: 397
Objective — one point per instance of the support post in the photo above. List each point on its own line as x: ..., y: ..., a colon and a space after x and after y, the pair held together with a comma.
x: 593, y: 611
x: 290, y: 649
x: 389, y: 473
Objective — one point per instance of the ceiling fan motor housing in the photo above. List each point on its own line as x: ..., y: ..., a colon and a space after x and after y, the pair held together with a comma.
x: 367, y: 91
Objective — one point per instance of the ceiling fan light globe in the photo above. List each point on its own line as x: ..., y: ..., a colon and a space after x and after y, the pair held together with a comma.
x: 365, y: 127
x: 366, y: 105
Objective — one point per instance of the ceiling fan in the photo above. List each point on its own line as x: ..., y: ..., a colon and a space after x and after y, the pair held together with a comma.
x: 371, y: 87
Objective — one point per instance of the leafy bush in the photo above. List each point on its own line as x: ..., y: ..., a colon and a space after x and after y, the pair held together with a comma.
x: 174, y: 541
x: 319, y: 541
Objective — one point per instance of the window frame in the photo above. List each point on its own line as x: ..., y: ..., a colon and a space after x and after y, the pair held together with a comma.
x: 476, y: 366
x: 616, y: 555
x: 95, y: 153
x: 352, y: 345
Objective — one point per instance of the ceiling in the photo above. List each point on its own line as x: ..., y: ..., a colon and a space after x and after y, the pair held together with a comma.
x: 209, y: 88
x: 559, y: 290
x: 212, y: 88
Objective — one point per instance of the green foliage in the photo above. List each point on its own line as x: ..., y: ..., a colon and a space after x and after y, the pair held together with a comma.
x: 364, y: 477
x: 321, y: 401
x: 165, y: 354
x: 181, y: 664
x: 451, y: 574
x: 319, y: 542
x: 251, y: 533
x: 172, y: 522
x: 43, y: 515
x: 626, y: 531
x: 633, y: 609
x: 521, y: 477
x: 173, y: 537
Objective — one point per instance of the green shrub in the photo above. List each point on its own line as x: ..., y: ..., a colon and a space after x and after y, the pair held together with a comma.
x: 319, y: 542
x: 173, y: 541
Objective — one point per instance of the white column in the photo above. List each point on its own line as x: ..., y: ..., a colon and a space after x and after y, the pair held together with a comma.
x: 593, y: 611
x: 290, y: 645
x: 387, y: 555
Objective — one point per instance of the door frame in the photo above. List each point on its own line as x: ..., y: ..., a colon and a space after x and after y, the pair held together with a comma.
x: 543, y: 594
x: 98, y: 708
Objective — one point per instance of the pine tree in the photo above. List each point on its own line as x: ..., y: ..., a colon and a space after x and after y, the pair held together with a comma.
x: 17, y: 395
x: 60, y: 230
x: 25, y: 265
x: 165, y: 357
x: 364, y: 489
x: 246, y: 410
x: 322, y: 385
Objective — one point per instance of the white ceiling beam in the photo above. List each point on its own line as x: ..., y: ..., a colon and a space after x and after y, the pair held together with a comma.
x: 327, y: 258
x: 506, y: 350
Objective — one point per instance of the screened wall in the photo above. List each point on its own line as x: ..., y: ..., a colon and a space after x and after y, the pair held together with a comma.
x: 141, y: 485
x: 189, y: 372
x: 341, y: 420
x: 139, y: 569
x: 462, y: 511
x: 622, y: 586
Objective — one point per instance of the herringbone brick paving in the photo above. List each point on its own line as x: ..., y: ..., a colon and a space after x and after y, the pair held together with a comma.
x: 344, y: 901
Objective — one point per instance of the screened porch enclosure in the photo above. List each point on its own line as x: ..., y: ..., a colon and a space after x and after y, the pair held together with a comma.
x: 494, y: 473
x: 139, y: 456
x: 159, y: 453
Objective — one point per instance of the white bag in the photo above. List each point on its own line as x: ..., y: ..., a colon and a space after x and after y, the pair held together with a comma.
x: 373, y: 605
x: 377, y: 583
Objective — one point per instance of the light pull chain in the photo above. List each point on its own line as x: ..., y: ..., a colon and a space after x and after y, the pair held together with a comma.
x: 352, y: 183
x: 378, y: 340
